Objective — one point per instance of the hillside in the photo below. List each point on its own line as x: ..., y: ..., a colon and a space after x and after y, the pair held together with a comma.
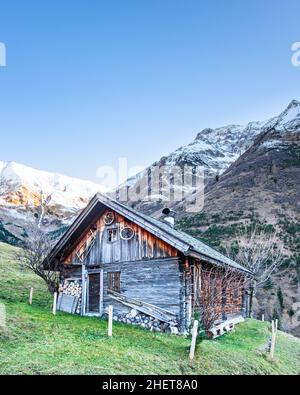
x: 36, y: 342
x: 261, y: 188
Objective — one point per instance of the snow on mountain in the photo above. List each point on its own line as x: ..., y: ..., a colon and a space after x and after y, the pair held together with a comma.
x: 27, y: 194
x: 288, y: 120
x: 22, y: 185
x: 216, y: 149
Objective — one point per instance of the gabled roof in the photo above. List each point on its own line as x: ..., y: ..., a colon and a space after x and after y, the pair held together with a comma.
x: 186, y: 244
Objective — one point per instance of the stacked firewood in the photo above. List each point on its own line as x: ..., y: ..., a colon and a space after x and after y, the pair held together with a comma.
x: 134, y: 317
x: 72, y: 288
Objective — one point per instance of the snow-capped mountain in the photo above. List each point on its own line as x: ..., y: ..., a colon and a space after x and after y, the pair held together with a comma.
x: 23, y: 185
x: 216, y: 149
x: 25, y: 191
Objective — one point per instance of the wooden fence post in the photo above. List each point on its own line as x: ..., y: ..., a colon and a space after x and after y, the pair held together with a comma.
x: 194, y: 337
x: 273, y: 340
x: 101, y: 293
x: 30, y: 295
x: 110, y: 320
x: 262, y: 317
x: 54, y: 303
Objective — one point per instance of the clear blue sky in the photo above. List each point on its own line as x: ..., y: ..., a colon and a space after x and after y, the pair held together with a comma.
x: 88, y: 82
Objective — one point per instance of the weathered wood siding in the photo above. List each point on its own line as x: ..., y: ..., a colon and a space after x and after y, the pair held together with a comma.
x: 142, y: 246
x: 155, y: 282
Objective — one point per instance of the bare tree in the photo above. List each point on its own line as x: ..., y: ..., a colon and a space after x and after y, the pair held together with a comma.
x: 34, y: 253
x: 213, y: 286
x: 36, y: 246
x: 259, y: 251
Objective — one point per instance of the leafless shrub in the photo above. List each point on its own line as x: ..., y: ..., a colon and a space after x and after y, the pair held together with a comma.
x: 259, y: 251
x: 214, y: 285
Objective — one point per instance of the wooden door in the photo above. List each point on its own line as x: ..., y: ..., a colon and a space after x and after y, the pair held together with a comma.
x: 94, y: 293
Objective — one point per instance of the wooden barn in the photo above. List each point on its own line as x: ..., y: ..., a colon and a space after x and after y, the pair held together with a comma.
x: 152, y: 274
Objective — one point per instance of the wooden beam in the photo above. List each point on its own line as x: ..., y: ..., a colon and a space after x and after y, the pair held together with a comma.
x: 83, y: 291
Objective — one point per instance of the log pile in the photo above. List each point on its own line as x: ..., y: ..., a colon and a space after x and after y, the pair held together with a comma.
x: 73, y: 288
x: 146, y: 321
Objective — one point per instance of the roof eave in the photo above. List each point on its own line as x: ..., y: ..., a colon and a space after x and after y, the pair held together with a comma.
x: 195, y: 254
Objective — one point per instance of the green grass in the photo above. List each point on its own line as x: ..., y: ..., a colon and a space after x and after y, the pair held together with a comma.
x: 36, y: 342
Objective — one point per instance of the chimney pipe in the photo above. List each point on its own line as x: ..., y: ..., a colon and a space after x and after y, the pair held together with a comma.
x: 169, y: 216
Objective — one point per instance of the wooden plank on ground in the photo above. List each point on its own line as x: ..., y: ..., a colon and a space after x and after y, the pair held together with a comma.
x: 146, y: 308
x: 67, y: 303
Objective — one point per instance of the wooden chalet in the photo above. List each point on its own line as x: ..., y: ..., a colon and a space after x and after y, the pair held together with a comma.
x: 150, y: 272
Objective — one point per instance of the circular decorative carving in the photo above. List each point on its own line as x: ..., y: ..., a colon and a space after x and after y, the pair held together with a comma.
x: 109, y: 218
x: 126, y: 233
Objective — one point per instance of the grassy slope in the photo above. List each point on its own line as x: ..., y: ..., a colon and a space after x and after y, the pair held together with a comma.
x: 36, y: 342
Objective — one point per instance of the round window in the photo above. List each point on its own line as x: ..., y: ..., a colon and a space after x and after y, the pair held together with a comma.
x: 127, y: 233
x: 109, y: 218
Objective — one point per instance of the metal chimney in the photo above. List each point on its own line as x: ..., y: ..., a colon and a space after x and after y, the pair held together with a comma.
x: 169, y: 216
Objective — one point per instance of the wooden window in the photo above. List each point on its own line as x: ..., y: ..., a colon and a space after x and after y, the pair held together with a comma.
x: 113, y: 281
x: 112, y: 235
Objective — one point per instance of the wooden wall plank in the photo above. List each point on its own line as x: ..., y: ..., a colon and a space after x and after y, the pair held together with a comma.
x: 143, y: 245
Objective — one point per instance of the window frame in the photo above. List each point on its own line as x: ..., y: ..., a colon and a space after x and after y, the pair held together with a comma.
x: 115, y: 231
